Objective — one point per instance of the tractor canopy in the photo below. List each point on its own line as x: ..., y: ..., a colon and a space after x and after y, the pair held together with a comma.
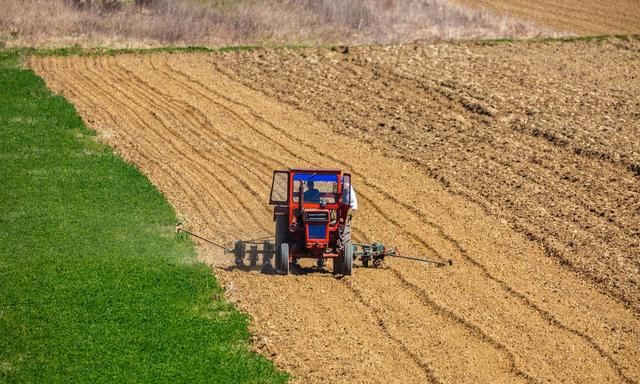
x: 315, y: 186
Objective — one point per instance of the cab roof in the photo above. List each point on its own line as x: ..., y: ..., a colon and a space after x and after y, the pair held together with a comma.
x: 312, y: 170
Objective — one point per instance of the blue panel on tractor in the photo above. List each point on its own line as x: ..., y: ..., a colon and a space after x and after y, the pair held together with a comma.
x: 317, y: 231
x: 315, y: 177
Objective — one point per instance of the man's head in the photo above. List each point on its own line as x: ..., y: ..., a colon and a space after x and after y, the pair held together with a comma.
x: 310, y: 184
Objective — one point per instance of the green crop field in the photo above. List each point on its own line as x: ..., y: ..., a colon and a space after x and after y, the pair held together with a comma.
x: 95, y: 285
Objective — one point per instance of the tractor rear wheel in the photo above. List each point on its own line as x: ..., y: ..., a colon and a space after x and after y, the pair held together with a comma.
x: 284, y: 258
x: 347, y: 252
x: 282, y: 231
x: 347, y: 265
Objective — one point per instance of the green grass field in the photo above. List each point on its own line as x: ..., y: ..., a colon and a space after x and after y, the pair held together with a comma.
x: 95, y: 285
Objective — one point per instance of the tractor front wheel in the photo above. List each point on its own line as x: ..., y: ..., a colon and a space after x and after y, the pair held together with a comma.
x: 284, y: 258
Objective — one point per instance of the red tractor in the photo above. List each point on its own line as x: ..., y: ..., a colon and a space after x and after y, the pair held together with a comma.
x: 311, y: 209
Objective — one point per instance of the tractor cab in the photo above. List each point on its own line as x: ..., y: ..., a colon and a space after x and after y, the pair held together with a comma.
x: 311, y: 217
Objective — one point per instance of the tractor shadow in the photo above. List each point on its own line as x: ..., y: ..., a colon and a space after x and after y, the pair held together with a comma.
x: 294, y: 269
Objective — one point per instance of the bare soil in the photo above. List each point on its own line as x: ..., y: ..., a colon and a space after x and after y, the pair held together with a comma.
x: 590, y: 17
x: 493, y: 156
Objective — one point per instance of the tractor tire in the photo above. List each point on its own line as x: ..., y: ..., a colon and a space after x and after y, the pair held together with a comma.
x: 282, y: 234
x: 347, y: 265
x: 347, y: 253
x: 284, y: 258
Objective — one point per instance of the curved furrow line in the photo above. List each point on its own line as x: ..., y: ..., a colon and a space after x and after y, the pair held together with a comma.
x: 475, y: 329
x: 537, y: 178
x: 176, y: 173
x: 282, y: 147
x: 569, y: 14
x: 549, y: 248
x: 425, y: 366
x: 454, y: 317
x: 399, y: 226
x: 184, y: 153
x: 547, y: 316
x: 171, y: 115
x: 238, y: 146
x: 199, y: 118
x: 95, y: 87
x: 199, y: 201
x: 410, y: 234
x: 110, y: 114
x: 553, y: 251
x: 159, y: 103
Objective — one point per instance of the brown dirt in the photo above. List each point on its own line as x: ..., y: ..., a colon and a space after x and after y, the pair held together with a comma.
x: 590, y: 17
x: 433, y: 180
x: 540, y: 135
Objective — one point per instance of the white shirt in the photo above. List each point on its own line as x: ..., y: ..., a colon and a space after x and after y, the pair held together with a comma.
x: 354, y: 200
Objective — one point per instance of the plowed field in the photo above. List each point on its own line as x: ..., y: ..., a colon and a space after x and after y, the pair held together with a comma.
x: 588, y: 17
x: 486, y: 155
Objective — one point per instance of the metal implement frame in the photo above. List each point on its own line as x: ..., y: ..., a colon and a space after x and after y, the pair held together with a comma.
x: 371, y: 255
x: 375, y: 253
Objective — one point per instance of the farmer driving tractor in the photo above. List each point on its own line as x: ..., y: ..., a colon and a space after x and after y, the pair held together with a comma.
x: 312, y: 195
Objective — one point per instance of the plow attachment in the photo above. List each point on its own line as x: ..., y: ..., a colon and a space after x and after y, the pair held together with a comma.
x: 266, y: 248
x: 372, y: 255
x: 241, y: 248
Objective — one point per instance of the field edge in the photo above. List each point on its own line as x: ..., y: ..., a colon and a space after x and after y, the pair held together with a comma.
x: 44, y: 337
